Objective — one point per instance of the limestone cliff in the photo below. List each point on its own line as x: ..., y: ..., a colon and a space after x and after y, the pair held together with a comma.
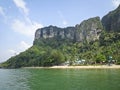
x: 88, y: 30
x: 53, y: 31
x: 111, y: 21
x: 54, y: 45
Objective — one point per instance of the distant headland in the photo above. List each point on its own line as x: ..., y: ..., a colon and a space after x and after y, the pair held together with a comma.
x: 94, y: 41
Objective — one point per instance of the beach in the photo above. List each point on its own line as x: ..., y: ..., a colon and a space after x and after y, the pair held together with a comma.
x: 82, y: 67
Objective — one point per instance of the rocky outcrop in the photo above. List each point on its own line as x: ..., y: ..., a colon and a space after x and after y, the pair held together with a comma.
x: 111, y: 21
x: 88, y: 30
x: 53, y: 31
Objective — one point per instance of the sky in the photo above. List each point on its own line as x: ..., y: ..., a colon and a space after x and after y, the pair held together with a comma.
x: 19, y: 19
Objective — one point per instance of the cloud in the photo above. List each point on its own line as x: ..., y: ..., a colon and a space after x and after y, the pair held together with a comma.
x: 24, y: 27
x: 6, y: 54
x: 64, y: 21
x: 2, y: 11
x: 27, y: 26
x: 24, y: 45
x: 12, y: 51
x: 115, y: 3
x: 22, y: 6
x: 20, y: 47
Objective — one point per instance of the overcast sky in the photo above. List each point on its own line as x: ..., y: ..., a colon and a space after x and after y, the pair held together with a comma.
x: 19, y: 19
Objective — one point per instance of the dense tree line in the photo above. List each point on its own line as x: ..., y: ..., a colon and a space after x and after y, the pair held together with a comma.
x: 56, y: 51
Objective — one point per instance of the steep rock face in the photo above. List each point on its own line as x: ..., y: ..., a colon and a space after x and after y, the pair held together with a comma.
x: 88, y: 30
x: 53, y: 31
x: 111, y: 21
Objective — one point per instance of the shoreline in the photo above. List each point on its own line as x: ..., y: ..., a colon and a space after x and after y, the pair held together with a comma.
x: 78, y: 67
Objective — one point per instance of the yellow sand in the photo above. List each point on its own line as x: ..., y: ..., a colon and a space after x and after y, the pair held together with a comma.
x: 82, y: 67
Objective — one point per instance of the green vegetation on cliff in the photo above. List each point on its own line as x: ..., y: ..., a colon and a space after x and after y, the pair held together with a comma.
x: 111, y: 21
x: 55, y: 52
x: 87, y: 41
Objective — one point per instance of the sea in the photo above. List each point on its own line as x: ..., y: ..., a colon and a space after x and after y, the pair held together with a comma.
x: 59, y: 79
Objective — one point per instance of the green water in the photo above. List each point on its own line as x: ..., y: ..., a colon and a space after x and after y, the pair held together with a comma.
x: 59, y: 79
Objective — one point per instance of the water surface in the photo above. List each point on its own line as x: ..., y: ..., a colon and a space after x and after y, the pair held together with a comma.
x: 59, y: 79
